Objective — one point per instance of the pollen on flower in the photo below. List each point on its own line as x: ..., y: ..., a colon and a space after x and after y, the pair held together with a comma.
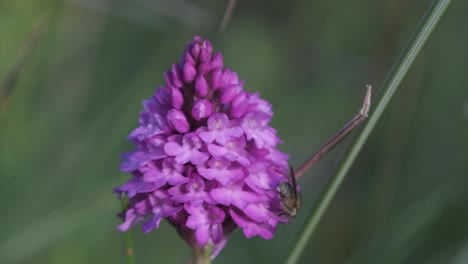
x: 205, y: 157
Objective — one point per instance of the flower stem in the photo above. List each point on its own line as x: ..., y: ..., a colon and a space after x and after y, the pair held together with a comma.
x: 425, y: 27
x: 202, y: 255
x: 128, y: 235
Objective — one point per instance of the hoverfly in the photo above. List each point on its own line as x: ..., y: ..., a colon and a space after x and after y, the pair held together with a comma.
x: 290, y: 198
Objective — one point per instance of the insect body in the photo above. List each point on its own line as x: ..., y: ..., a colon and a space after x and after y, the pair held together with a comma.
x: 290, y: 198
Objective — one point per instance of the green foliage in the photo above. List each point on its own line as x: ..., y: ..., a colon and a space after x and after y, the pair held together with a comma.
x: 78, y: 96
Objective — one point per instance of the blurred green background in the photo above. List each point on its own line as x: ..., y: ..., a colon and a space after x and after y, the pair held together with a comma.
x: 78, y: 94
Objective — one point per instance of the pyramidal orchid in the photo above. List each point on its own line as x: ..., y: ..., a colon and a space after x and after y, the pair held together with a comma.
x: 205, y: 157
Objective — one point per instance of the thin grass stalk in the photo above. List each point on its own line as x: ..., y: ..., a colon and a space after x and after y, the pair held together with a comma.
x: 398, y: 72
x: 128, y: 236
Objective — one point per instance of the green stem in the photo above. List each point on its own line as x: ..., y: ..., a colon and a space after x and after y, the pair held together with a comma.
x: 207, y: 254
x: 202, y: 254
x: 427, y: 24
x: 128, y: 235
x: 28, y: 46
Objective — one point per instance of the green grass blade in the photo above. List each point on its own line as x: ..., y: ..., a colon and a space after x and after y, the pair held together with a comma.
x: 427, y: 24
x: 128, y: 236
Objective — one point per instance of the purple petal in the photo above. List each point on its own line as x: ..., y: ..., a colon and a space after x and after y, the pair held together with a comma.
x: 177, y: 98
x: 251, y: 228
x: 255, y: 126
x: 205, y: 55
x: 239, y: 105
x: 172, y: 148
x: 218, y: 121
x: 201, y: 87
x: 176, y: 179
x: 134, y: 160
x: 177, y: 75
x: 264, y: 232
x: 258, y: 212
x: 193, y: 191
x: 229, y: 176
x: 262, y: 178
x: 228, y: 92
x: 195, y: 51
x: 208, y: 174
x: 278, y: 158
x: 216, y: 76
x: 218, y: 169
x: 183, y: 157
x: 217, y: 151
x: 217, y: 233
x: 256, y: 104
x: 169, y: 79
x: 231, y: 133
x: 198, y: 157
x: 217, y: 61
x: 177, y: 121
x: 204, y: 68
x: 201, y: 109
x: 208, y: 136
x: 130, y: 219
x: 151, y: 224
x: 196, y: 220
x: 189, y: 72
x: 202, y: 234
x: 234, y: 195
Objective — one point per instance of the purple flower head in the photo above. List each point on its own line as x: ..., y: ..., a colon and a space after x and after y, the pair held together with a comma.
x: 206, y: 159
